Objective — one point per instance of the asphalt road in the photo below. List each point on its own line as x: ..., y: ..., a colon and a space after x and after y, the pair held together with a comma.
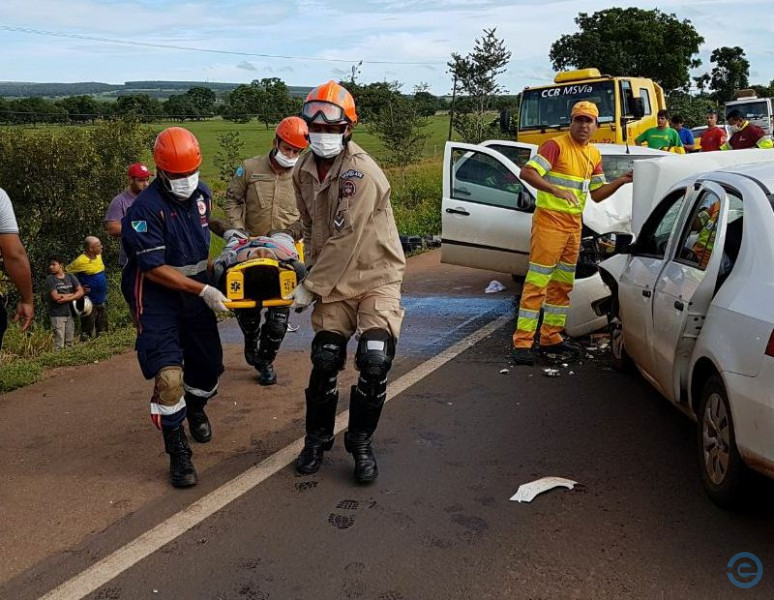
x: 438, y: 523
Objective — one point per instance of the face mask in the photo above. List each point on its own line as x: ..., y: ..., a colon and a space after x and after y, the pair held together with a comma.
x: 326, y: 145
x: 735, y: 128
x: 184, y: 188
x: 285, y: 161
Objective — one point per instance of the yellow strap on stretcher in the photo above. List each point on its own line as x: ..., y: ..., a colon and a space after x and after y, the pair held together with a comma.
x: 235, y: 284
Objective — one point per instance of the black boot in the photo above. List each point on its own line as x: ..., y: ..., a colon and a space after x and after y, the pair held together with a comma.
x: 181, y: 470
x: 198, y: 423
x: 363, y: 419
x: 251, y: 350
x: 266, y: 374
x: 249, y: 320
x: 320, y: 421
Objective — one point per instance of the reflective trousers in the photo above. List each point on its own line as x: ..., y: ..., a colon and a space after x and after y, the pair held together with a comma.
x: 553, y: 255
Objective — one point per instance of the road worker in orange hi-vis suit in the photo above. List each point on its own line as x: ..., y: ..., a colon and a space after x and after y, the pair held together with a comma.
x: 565, y: 171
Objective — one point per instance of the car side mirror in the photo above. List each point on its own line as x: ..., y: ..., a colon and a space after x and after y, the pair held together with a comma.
x: 610, y: 244
x: 637, y: 108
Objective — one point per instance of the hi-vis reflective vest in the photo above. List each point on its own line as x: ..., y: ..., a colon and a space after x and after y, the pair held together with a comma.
x: 748, y: 136
x: 566, y: 164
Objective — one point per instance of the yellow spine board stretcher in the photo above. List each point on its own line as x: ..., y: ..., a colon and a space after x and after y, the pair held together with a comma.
x: 235, y: 283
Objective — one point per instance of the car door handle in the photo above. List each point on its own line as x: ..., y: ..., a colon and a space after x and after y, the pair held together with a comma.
x: 679, y: 305
x: 457, y: 211
x: 461, y: 191
x: 646, y: 293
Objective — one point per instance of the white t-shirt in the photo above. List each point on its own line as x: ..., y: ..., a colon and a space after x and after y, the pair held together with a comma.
x: 7, y: 218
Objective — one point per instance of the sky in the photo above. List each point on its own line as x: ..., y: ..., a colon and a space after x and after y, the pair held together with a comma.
x: 398, y: 40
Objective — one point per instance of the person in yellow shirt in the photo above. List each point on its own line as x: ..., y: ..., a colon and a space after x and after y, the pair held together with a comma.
x: 90, y: 270
x: 565, y: 171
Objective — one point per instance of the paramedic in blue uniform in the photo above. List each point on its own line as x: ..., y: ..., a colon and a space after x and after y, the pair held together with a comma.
x: 166, y: 237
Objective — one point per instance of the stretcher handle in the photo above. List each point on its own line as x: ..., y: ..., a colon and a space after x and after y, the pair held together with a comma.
x: 232, y: 304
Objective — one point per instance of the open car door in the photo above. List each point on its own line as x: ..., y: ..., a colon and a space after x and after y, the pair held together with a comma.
x: 486, y: 210
x: 686, y: 286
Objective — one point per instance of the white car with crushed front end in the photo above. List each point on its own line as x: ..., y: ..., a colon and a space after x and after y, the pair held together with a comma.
x: 692, y: 301
x: 487, y: 212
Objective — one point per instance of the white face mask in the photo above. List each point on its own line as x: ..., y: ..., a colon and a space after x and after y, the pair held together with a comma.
x: 735, y: 128
x: 184, y: 188
x: 285, y: 161
x: 326, y: 145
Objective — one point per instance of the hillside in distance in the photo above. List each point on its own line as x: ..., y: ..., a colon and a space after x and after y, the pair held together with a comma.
x: 155, y: 89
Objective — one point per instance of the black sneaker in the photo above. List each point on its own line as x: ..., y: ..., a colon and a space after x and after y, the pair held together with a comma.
x: 523, y: 356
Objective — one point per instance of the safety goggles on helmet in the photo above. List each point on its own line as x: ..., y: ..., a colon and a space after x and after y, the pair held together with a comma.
x: 320, y: 111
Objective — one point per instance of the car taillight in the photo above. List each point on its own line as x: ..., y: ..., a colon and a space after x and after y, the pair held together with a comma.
x: 770, y: 345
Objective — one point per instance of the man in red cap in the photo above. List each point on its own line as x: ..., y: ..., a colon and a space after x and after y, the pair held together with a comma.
x: 139, y: 178
x: 566, y: 170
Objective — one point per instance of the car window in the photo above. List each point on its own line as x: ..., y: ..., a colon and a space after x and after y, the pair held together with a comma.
x: 698, y: 240
x: 654, y: 236
x: 518, y: 156
x: 619, y: 164
x: 480, y: 178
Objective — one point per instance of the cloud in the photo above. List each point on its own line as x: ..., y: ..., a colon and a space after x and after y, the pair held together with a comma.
x: 247, y: 66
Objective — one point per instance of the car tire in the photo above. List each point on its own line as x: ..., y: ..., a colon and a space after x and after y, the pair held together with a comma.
x: 621, y: 360
x: 723, y: 472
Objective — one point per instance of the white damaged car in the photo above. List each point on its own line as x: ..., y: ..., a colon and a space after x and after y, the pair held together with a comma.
x: 693, y: 306
x: 487, y: 212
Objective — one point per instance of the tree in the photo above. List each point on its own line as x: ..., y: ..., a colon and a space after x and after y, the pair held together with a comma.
x: 203, y: 100
x: 427, y: 104
x: 242, y: 104
x: 632, y: 41
x: 398, y: 124
x: 476, y: 76
x: 229, y: 155
x: 273, y: 99
x: 181, y: 107
x: 730, y: 73
x: 80, y: 109
x: 693, y: 109
x: 138, y: 106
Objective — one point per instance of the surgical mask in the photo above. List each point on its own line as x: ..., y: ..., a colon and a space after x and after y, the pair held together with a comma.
x: 326, y: 145
x: 285, y: 161
x: 735, y: 128
x: 184, y: 188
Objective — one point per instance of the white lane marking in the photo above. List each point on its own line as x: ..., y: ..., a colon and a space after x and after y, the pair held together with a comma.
x: 146, y: 544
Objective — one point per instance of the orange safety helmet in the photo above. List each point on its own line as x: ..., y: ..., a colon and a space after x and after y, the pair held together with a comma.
x: 177, y: 151
x: 329, y: 103
x: 293, y: 131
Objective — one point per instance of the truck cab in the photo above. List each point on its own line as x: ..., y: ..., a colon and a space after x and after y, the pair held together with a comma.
x: 627, y: 106
x: 756, y: 110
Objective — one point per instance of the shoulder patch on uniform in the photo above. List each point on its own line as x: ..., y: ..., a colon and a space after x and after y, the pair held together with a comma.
x: 261, y: 177
x: 140, y: 226
x: 351, y: 173
x: 240, y: 171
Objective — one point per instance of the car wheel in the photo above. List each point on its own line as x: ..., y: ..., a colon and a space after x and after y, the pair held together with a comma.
x: 621, y: 360
x: 723, y: 472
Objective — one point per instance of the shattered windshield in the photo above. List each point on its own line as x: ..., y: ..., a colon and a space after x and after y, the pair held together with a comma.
x: 551, y: 107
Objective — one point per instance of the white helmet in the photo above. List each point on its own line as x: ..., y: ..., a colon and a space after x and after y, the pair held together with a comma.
x: 82, y: 306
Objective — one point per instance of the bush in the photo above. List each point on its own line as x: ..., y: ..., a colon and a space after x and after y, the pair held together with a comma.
x: 416, y: 199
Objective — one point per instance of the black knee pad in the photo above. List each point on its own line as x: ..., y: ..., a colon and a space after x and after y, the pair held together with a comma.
x: 276, y: 325
x: 249, y: 320
x: 375, y: 352
x: 329, y: 354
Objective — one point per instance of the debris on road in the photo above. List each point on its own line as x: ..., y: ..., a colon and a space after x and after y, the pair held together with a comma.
x: 548, y: 372
x: 528, y: 491
x: 504, y: 371
x: 494, y: 287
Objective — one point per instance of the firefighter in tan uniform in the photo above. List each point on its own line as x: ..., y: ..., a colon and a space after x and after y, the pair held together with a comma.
x: 356, y: 268
x: 260, y: 199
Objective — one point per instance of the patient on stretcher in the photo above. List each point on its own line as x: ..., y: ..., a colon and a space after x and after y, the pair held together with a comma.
x: 279, y: 246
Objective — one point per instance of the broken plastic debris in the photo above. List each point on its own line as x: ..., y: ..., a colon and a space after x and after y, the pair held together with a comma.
x: 572, y: 372
x: 565, y: 365
x: 504, y: 371
x: 592, y: 348
x: 551, y: 372
x: 528, y: 491
x: 293, y: 328
x: 494, y: 287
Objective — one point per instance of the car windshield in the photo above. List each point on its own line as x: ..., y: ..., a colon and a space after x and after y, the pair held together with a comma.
x: 551, y: 107
x: 618, y: 164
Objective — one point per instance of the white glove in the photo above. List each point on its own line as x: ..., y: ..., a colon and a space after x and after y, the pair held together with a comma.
x: 301, y: 297
x: 213, y: 298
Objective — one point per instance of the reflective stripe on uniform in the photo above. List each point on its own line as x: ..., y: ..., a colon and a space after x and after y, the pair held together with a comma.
x: 151, y: 250
x: 191, y: 270
x: 564, y: 273
x: 528, y: 320
x: 539, y: 275
x: 597, y: 181
x: 555, y: 315
x: 540, y: 164
x: 200, y: 393
x: 576, y: 185
x: 162, y: 409
x: 765, y: 142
